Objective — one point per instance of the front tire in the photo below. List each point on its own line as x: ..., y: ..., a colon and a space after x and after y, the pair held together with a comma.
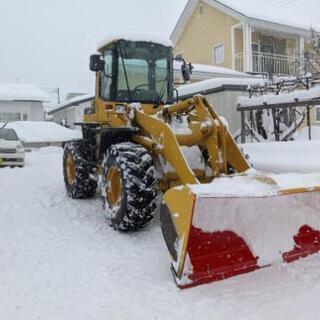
x: 76, y: 172
x: 128, y: 186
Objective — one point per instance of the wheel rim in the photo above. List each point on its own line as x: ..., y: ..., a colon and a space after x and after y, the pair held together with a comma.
x: 113, y: 187
x: 70, y: 169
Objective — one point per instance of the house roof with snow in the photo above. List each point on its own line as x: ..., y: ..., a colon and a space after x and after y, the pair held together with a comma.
x: 71, y: 103
x: 292, y: 16
x: 214, y: 85
x: 203, y: 72
x: 295, y: 98
x: 22, y: 92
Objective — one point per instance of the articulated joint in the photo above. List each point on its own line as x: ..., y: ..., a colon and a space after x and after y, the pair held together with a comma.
x: 199, y: 131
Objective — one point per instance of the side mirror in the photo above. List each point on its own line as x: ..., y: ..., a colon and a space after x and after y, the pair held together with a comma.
x: 186, y: 69
x: 96, y: 63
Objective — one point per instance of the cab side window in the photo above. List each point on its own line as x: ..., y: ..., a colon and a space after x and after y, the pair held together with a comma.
x: 106, y: 76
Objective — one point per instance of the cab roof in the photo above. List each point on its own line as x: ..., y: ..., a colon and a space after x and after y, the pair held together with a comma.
x: 165, y: 41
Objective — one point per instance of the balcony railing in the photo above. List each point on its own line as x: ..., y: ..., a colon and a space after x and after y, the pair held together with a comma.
x: 266, y: 63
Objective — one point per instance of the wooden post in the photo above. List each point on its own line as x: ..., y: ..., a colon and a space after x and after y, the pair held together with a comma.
x: 309, y: 122
x: 276, y: 124
x: 243, y: 127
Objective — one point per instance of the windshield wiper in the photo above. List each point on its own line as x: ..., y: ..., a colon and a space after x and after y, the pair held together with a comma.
x: 125, y: 72
x: 162, y: 91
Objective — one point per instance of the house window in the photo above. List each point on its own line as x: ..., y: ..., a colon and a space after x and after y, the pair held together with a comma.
x: 318, y: 114
x: 255, y: 47
x: 218, y: 54
x: 25, y: 117
x: 267, y: 48
x: 8, y: 116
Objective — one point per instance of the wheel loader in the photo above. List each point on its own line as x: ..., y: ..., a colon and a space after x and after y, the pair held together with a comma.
x: 219, y: 217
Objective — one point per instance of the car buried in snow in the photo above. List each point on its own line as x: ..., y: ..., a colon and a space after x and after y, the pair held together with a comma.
x: 11, y: 149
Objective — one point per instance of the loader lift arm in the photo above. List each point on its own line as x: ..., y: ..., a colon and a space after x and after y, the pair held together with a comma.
x: 205, y: 130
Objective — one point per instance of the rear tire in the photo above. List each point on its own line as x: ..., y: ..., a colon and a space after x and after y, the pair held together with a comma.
x: 128, y: 186
x: 76, y: 172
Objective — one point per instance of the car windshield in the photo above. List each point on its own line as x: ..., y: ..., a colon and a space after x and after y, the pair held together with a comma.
x: 8, y: 134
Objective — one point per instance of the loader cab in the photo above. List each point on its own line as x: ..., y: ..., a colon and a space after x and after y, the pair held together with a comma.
x: 134, y: 71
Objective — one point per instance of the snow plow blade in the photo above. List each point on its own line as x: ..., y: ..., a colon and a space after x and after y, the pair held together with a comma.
x: 214, y: 237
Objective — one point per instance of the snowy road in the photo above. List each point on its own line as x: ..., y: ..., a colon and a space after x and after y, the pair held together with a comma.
x: 59, y: 260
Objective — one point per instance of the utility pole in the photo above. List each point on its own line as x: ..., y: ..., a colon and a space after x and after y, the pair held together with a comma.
x: 58, y: 93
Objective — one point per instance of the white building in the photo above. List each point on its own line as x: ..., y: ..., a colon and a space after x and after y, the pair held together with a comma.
x: 21, y: 102
x: 71, y: 111
x: 204, y: 72
x: 223, y: 94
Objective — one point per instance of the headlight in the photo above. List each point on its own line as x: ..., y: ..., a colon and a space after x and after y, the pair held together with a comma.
x: 19, y: 149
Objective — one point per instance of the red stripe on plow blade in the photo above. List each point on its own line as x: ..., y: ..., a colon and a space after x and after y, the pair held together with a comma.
x: 307, y: 242
x: 220, y: 255
x: 217, y: 256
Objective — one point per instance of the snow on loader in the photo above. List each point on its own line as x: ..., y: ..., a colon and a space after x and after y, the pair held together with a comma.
x: 219, y: 218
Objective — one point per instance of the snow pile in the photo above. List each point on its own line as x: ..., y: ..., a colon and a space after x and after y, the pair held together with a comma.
x: 291, y: 156
x: 237, y: 186
x: 255, y: 184
x: 211, y: 84
x: 304, y: 134
x: 253, y: 206
x: 267, y: 224
x: 291, y: 97
x: 212, y: 70
x: 42, y: 131
x: 147, y: 37
x: 22, y: 92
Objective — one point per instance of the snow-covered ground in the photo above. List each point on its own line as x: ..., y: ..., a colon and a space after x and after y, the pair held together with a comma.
x: 60, y: 260
x: 304, y: 134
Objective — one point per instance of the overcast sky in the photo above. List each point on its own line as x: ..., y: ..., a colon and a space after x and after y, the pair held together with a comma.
x: 48, y: 42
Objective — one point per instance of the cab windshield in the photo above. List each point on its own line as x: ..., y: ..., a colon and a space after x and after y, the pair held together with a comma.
x: 137, y: 72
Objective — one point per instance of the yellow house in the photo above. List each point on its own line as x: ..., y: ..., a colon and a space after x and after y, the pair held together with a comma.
x: 247, y: 35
